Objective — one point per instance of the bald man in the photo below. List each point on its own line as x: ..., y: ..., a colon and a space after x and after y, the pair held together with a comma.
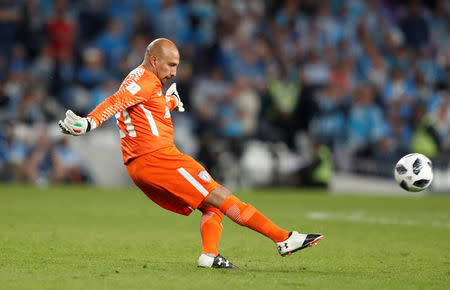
x: 170, y: 178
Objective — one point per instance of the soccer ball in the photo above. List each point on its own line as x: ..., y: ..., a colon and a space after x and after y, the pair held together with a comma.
x: 414, y: 172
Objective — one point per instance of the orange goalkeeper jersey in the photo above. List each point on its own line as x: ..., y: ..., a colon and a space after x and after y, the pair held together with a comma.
x: 142, y: 112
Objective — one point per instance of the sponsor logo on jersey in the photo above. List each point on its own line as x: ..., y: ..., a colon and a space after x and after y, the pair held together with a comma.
x: 133, y: 88
x: 204, y: 176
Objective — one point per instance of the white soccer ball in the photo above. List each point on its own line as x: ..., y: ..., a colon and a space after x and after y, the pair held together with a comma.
x: 414, y: 172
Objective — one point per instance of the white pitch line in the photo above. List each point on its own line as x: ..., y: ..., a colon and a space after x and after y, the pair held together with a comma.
x: 360, y: 217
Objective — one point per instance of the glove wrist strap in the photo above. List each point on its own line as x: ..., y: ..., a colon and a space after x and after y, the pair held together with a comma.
x: 92, y: 124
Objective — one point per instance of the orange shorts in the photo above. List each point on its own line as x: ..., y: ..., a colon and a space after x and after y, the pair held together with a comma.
x: 173, y: 180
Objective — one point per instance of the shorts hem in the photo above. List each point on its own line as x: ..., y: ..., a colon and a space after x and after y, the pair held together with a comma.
x: 204, y: 201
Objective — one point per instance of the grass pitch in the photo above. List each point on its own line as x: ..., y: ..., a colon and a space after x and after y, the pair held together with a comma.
x: 89, y: 238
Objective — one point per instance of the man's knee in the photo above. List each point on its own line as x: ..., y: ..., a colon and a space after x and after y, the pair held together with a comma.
x: 211, y: 209
x: 218, y: 196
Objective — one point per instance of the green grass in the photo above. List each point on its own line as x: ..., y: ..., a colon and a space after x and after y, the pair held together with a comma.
x: 89, y: 238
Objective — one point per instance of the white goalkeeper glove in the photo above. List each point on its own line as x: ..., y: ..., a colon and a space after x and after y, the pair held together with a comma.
x: 172, y: 90
x: 76, y: 125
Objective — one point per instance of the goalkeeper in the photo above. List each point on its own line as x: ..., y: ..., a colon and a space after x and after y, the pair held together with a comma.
x: 170, y: 178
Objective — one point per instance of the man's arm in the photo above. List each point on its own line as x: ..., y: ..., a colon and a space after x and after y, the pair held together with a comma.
x: 125, y: 97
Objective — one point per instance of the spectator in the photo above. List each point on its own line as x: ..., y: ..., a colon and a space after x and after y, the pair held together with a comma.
x: 282, y: 104
x: 399, y: 90
x: 38, y: 166
x: 329, y: 122
x: 378, y: 72
x: 172, y: 22
x: 113, y: 43
x: 43, y: 65
x: 31, y: 107
x: 13, y: 153
x: 209, y: 93
x: 18, y: 62
x: 61, y: 31
x: 287, y: 14
x: 92, y: 73
x: 32, y: 28
x: 67, y: 164
x: 92, y: 19
x: 63, y: 79
x: 440, y: 116
x: 425, y: 139
x: 414, y: 26
x: 316, y: 71
x: 397, y: 138
x: 9, y: 18
x: 248, y: 105
x: 366, y: 125
x: 13, y: 90
x: 204, y: 14
x: 426, y: 65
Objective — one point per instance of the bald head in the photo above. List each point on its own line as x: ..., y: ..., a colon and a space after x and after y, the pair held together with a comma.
x: 161, y: 46
x: 162, y: 58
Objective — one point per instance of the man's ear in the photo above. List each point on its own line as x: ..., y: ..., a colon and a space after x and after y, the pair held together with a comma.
x: 153, y: 61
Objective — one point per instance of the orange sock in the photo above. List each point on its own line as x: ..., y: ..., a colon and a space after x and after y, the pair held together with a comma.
x: 247, y: 215
x: 211, y: 229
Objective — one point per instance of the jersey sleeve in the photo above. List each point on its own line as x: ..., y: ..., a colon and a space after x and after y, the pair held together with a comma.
x: 129, y: 94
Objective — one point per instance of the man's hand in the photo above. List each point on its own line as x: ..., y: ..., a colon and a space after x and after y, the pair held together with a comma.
x: 76, y: 125
x: 172, y: 90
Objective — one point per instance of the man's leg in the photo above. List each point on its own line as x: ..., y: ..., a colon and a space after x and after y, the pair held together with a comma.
x: 246, y: 215
x: 211, y: 229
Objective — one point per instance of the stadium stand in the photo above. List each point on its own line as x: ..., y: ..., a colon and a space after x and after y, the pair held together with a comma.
x: 315, y: 86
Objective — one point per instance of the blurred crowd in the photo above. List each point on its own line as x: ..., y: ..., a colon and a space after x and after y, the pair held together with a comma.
x: 366, y: 79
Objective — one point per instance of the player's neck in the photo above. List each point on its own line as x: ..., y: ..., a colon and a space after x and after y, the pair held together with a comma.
x: 147, y: 67
x: 150, y: 68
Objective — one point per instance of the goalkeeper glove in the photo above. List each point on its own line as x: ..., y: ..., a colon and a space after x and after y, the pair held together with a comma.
x: 76, y: 125
x: 172, y: 90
